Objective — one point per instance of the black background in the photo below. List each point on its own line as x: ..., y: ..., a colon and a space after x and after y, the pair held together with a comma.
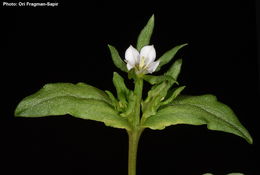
x: 68, y: 43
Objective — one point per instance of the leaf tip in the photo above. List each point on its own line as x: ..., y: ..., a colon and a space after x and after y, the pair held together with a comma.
x: 152, y: 17
x: 115, y: 74
x: 179, y: 60
x: 183, y: 45
x: 249, y: 140
x: 18, y: 112
x: 109, y: 46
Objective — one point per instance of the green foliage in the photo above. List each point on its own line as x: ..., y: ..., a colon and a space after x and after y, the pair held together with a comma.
x: 145, y: 35
x: 162, y: 107
x: 117, y: 60
x: 175, y: 69
x: 154, y: 98
x: 113, y: 99
x: 158, y: 79
x: 158, y: 94
x: 198, y: 110
x: 132, y: 102
x: 169, y: 55
x: 122, y: 90
x: 173, y: 94
x: 80, y: 100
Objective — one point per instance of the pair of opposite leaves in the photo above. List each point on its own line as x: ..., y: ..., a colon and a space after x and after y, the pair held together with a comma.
x: 164, y: 106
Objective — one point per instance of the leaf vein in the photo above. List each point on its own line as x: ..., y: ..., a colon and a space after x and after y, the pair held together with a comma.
x: 219, y: 118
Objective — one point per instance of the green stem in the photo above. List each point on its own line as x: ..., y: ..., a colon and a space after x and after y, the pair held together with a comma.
x: 132, y: 151
x: 138, y: 92
x: 135, y: 133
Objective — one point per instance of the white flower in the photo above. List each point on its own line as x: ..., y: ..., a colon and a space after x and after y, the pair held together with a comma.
x: 143, y: 62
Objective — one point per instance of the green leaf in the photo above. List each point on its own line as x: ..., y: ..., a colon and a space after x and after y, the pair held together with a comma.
x: 122, y: 91
x: 158, y: 79
x: 132, y: 102
x: 113, y: 99
x: 80, y: 100
x: 169, y: 55
x: 174, y: 94
x: 145, y: 34
x: 157, y: 93
x: 154, y: 98
x: 119, y: 63
x: 53, y: 90
x: 198, y: 110
x: 175, y: 69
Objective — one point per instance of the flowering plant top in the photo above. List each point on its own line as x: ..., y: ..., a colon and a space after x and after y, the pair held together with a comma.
x: 163, y: 106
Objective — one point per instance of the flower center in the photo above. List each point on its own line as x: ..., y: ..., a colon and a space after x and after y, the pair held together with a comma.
x: 142, y: 63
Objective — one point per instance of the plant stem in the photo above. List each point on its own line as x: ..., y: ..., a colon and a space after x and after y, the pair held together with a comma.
x: 132, y: 151
x: 138, y: 92
x: 135, y: 133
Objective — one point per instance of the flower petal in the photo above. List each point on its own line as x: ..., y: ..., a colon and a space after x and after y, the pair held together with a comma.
x: 152, y: 67
x: 131, y: 56
x: 129, y: 66
x: 149, y: 54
